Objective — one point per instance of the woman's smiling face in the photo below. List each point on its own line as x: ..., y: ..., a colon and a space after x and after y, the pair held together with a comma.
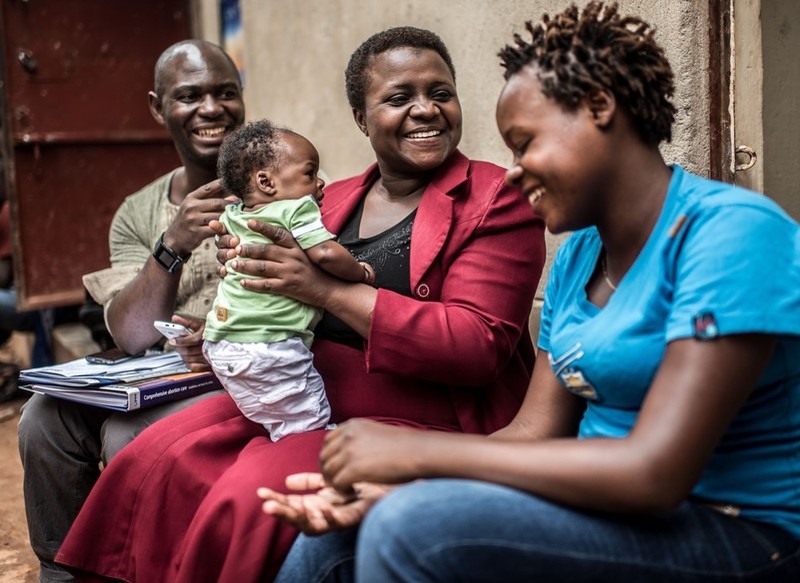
x: 558, y: 153
x: 411, y: 110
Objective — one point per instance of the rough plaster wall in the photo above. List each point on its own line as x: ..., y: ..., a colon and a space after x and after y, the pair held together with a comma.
x: 297, y: 50
x: 781, y: 38
x: 206, y: 20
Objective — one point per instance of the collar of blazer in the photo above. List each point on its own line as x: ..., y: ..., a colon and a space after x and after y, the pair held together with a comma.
x: 434, y: 216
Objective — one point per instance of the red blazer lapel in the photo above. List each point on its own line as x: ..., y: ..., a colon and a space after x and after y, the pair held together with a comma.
x: 342, y: 197
x: 435, y: 215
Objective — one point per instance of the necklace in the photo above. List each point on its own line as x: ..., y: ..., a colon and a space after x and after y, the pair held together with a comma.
x: 604, y: 269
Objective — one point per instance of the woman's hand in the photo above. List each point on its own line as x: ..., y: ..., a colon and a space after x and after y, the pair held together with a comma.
x: 282, y: 267
x: 322, y: 511
x: 361, y: 450
x: 191, y: 347
x: 226, y: 246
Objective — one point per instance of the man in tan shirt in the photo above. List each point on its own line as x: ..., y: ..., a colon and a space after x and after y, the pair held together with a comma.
x: 162, y: 263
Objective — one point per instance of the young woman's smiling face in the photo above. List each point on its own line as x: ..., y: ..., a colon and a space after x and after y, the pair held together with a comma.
x: 411, y: 110
x: 558, y: 153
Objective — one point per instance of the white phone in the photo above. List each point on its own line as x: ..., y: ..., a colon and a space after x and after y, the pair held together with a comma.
x: 171, y: 329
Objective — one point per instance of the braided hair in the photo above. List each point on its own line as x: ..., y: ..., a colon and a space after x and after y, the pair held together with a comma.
x: 355, y: 76
x: 577, y: 52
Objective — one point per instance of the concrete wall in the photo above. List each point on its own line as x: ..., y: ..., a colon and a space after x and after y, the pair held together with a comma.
x: 296, y: 52
x: 780, y: 21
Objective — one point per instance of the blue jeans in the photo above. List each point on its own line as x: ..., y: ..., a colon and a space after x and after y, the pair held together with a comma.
x: 459, y: 530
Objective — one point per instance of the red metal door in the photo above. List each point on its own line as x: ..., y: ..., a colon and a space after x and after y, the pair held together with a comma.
x: 78, y: 136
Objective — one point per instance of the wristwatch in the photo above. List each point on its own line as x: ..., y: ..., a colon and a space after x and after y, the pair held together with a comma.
x: 166, y: 257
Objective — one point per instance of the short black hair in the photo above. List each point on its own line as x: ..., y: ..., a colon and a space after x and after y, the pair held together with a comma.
x: 249, y: 148
x: 180, y: 47
x: 576, y: 52
x: 355, y: 76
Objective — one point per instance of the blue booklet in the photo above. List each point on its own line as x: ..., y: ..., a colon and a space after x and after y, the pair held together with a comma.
x: 135, y: 394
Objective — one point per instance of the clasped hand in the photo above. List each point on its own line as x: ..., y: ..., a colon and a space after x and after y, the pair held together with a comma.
x: 357, y: 459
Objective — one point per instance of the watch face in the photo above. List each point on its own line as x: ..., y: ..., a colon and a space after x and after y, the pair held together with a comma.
x: 165, y: 257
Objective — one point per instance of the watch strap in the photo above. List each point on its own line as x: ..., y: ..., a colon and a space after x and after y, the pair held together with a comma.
x: 166, y: 257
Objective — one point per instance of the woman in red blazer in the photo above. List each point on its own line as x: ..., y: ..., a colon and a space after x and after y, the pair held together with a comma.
x: 440, y: 343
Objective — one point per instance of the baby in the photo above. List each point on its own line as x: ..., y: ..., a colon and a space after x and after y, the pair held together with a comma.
x: 258, y: 344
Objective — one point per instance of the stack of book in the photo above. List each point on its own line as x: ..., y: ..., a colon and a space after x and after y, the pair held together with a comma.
x: 135, y: 383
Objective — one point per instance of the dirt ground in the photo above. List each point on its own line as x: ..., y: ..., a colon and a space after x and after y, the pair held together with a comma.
x: 18, y: 564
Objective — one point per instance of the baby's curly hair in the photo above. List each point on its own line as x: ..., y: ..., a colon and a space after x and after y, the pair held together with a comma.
x: 247, y: 149
x: 576, y: 52
x: 355, y: 76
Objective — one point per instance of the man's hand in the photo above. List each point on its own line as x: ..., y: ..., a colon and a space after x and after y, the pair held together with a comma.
x: 190, y: 227
x: 191, y: 347
x: 324, y: 510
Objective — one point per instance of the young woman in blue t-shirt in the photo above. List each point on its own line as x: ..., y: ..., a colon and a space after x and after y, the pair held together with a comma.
x: 670, y: 345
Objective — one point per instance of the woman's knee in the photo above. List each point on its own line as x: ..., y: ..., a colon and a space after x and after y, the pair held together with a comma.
x: 444, y: 504
x: 320, y: 559
x: 443, y: 529
x: 407, y: 524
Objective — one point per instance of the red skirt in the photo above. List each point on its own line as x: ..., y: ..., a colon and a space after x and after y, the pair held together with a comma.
x: 179, y: 503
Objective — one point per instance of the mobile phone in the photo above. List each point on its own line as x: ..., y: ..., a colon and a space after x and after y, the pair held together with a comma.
x: 171, y: 329
x: 110, y: 356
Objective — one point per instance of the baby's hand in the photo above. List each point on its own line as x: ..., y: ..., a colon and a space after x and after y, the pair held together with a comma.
x: 369, y: 273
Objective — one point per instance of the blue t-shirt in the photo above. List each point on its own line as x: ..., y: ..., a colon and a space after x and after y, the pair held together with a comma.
x: 721, y: 260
